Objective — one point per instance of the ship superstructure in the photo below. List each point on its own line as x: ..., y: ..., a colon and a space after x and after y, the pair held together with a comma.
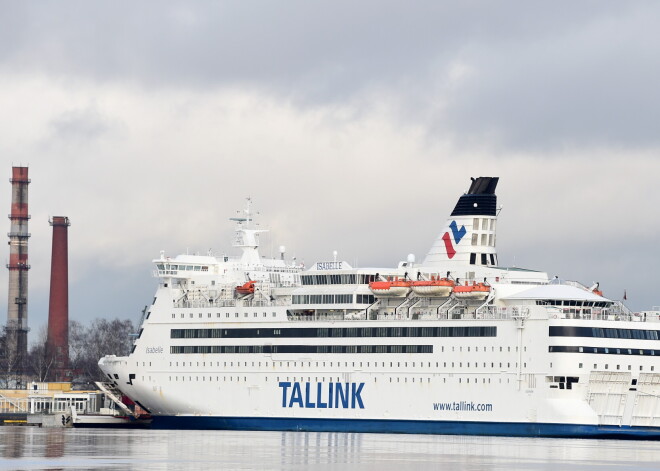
x: 455, y: 344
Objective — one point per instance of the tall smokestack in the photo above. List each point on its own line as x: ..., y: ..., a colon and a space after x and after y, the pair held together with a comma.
x: 58, y: 306
x: 17, y: 309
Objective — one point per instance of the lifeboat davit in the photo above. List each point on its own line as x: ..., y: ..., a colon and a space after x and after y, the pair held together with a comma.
x: 390, y: 288
x: 476, y: 291
x: 246, y: 288
x: 440, y: 288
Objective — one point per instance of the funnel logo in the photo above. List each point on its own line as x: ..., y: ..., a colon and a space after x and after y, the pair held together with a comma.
x: 458, y: 235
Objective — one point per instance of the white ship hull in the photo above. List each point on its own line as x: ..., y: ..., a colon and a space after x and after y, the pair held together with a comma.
x: 452, y: 390
x: 316, y: 351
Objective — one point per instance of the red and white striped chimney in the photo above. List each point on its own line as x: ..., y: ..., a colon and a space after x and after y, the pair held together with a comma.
x: 17, y: 309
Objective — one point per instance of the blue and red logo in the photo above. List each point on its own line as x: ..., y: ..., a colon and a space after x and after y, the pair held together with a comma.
x: 458, y: 235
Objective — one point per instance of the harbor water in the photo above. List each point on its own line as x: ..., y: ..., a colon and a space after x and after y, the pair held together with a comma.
x: 32, y: 448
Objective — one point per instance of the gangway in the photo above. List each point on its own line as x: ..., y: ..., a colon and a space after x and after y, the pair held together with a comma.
x: 115, y: 396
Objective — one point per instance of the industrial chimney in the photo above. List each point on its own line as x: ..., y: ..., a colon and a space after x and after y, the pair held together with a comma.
x: 57, y: 344
x: 17, y: 309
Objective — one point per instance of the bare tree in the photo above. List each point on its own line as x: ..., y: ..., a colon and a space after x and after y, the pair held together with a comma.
x: 10, y: 363
x: 39, y: 361
x: 102, y: 337
x: 77, y: 343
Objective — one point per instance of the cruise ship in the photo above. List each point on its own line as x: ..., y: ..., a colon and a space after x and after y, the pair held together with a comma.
x: 454, y: 344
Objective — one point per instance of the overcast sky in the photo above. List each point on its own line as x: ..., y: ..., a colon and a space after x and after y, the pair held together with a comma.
x: 354, y: 126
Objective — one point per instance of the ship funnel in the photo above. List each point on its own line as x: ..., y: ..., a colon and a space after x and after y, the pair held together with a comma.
x: 468, y: 238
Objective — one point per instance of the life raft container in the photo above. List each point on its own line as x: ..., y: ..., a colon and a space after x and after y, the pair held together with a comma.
x: 477, y: 291
x: 246, y: 288
x: 390, y: 288
x: 440, y: 288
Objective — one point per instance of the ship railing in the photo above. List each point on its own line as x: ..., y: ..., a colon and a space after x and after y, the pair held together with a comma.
x: 257, y: 303
x: 621, y: 309
x: 486, y: 313
x: 617, y: 312
x: 288, y: 269
x: 286, y: 284
x: 224, y: 303
x: 295, y: 317
x: 575, y: 284
x: 460, y: 312
x: 10, y: 405
x: 260, y: 302
x: 497, y: 313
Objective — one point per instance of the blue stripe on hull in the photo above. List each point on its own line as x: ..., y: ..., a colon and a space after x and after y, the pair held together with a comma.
x: 407, y: 426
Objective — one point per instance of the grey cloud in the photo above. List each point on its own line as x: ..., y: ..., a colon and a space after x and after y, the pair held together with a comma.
x: 596, y: 85
x: 291, y: 43
x: 543, y: 74
x: 80, y: 125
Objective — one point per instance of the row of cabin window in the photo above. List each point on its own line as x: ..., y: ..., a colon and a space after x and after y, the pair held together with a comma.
x: 328, y: 299
x: 187, y: 333
x: 485, y: 257
x: 603, y: 350
x: 169, y: 266
x: 336, y: 332
x: 203, y: 349
x: 319, y: 364
x: 598, y: 332
x: 322, y: 379
x: 355, y: 364
x: 486, y: 239
x: 570, y: 302
x: 337, y: 279
x: 618, y: 367
x: 486, y: 224
x: 217, y: 314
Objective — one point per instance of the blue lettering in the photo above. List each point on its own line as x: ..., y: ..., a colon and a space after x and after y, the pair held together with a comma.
x: 284, y: 385
x: 340, y: 395
x: 296, y: 396
x: 344, y: 396
x: 308, y: 403
x: 355, y: 396
x: 320, y: 404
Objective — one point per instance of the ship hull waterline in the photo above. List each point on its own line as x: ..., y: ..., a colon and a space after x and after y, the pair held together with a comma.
x: 506, y: 429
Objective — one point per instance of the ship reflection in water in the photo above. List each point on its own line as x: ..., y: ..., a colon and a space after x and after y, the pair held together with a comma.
x: 28, y: 448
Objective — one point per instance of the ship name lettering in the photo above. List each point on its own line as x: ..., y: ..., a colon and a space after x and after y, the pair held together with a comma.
x: 154, y: 350
x: 322, y: 395
x: 328, y: 265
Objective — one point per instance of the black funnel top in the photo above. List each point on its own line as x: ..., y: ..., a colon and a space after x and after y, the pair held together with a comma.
x: 480, y: 200
x: 483, y: 185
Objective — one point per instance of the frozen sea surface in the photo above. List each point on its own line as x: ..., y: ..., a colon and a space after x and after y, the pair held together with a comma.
x: 30, y: 448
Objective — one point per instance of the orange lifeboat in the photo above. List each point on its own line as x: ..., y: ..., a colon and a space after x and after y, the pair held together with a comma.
x: 440, y: 288
x: 476, y: 291
x: 597, y: 292
x: 246, y: 288
x: 390, y: 289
